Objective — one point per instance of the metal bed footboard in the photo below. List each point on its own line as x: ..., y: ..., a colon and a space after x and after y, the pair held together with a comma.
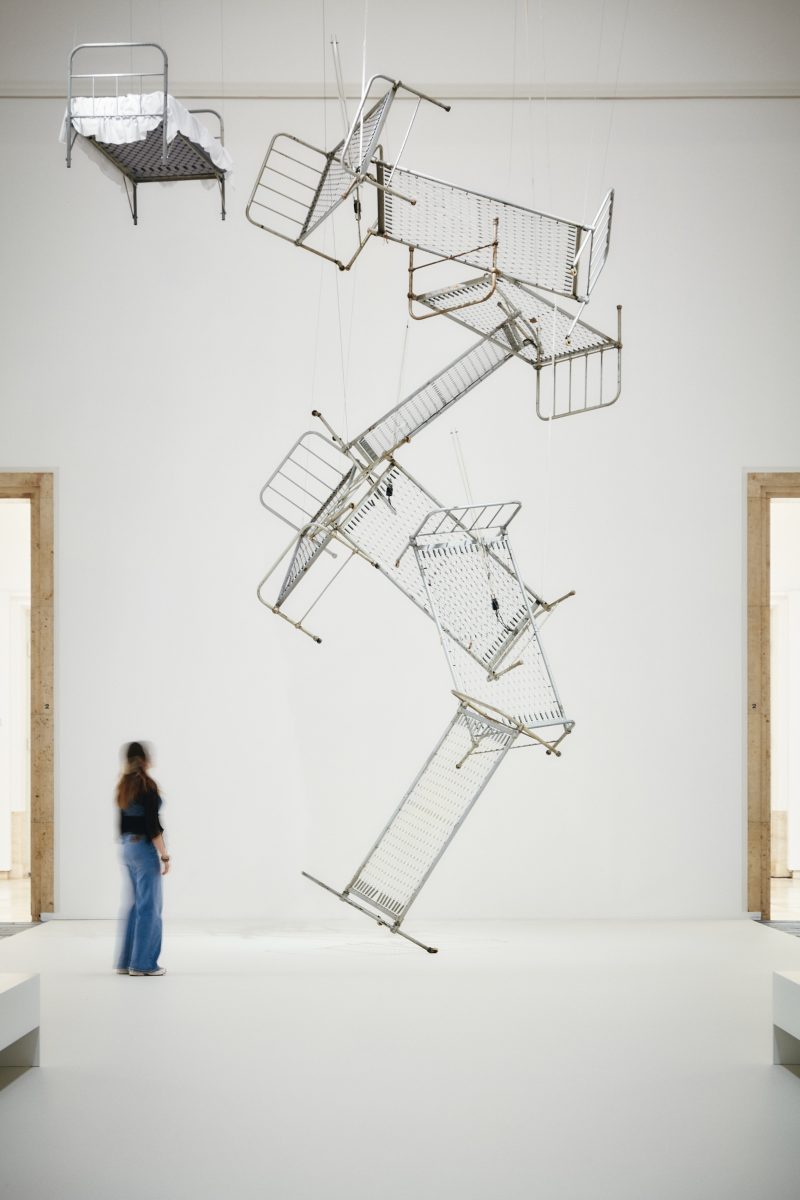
x: 300, y: 193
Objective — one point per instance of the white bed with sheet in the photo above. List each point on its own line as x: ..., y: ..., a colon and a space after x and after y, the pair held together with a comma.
x: 149, y: 136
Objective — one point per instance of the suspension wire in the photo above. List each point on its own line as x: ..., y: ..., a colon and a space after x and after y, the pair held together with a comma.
x: 342, y: 369
x: 324, y: 75
x: 315, y: 357
x: 400, y: 374
x: 357, y: 200
x: 548, y: 465
x: 462, y: 466
x: 532, y: 177
x: 221, y: 56
x: 351, y: 324
x: 315, y: 364
x: 592, y: 123
x: 513, y: 91
x: 616, y: 89
x: 363, y: 82
x: 337, y: 68
x: 547, y: 127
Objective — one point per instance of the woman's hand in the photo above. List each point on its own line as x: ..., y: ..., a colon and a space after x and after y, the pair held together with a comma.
x: 165, y: 866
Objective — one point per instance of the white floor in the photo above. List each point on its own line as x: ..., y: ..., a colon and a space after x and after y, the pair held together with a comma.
x: 552, y: 1060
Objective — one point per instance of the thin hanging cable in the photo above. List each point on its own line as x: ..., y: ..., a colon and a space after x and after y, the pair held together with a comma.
x: 532, y: 177
x: 462, y: 466
x: 363, y: 83
x: 316, y: 339
x: 337, y: 69
x: 400, y: 374
x: 548, y: 467
x: 221, y: 56
x: 331, y: 224
x: 402, y: 361
x: 616, y: 88
x: 513, y: 92
x: 345, y: 424
x: 324, y: 77
x: 351, y: 324
x: 543, y: 40
x: 592, y: 123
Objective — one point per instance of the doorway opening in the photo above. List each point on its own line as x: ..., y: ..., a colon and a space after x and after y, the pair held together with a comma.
x: 773, y: 695
x: 26, y: 698
x: 15, y: 690
x: 784, y: 570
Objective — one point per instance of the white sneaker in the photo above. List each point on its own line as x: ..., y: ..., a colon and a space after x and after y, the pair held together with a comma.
x: 121, y: 971
x: 157, y: 971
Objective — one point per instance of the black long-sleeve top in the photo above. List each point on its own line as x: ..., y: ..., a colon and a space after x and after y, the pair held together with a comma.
x: 145, y: 823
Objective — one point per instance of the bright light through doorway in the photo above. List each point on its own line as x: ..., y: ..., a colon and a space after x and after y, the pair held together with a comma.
x: 15, y: 683
x: 785, y: 708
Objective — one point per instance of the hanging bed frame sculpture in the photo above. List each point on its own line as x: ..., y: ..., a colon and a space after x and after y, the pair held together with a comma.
x: 456, y: 566
x: 517, y: 249
x: 150, y: 137
x: 485, y: 618
x: 353, y: 498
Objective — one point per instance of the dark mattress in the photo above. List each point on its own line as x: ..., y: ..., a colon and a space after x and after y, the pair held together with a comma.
x: 141, y: 161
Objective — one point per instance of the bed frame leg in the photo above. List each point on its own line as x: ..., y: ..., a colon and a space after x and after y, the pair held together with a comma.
x: 133, y: 203
x: 409, y: 938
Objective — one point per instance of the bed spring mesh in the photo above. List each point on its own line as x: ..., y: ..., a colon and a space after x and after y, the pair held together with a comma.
x: 431, y: 400
x: 430, y: 814
x: 382, y: 531
x: 505, y: 666
x: 381, y: 528
x: 531, y: 333
x: 364, y: 141
x: 335, y: 178
x: 452, y: 221
x: 141, y: 161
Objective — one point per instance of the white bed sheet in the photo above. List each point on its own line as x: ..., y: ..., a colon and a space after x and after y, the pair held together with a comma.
x: 129, y: 118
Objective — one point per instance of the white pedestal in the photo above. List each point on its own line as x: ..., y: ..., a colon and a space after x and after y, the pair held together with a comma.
x: 19, y: 1020
x: 786, y: 1018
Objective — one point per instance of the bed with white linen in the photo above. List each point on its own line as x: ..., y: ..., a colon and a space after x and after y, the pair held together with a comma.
x: 149, y: 136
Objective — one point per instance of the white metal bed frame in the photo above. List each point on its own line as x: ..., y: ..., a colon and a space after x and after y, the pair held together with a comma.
x: 152, y: 159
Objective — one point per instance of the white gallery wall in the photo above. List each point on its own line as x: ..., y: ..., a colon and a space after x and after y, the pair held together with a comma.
x: 162, y: 371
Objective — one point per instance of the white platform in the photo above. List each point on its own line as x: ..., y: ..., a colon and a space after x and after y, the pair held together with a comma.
x: 786, y: 1017
x: 561, y: 1060
x: 19, y: 1020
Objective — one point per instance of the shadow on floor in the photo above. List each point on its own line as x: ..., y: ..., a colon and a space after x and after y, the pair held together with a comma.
x: 9, y: 1075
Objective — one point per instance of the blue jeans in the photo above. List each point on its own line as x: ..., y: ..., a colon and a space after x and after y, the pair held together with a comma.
x: 141, y: 942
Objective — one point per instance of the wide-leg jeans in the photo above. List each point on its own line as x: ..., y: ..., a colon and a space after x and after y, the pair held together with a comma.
x: 141, y: 941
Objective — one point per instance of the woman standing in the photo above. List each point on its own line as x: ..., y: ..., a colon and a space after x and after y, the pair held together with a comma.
x: 145, y: 859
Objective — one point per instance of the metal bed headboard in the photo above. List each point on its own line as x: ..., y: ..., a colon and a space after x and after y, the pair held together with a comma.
x: 163, y: 75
